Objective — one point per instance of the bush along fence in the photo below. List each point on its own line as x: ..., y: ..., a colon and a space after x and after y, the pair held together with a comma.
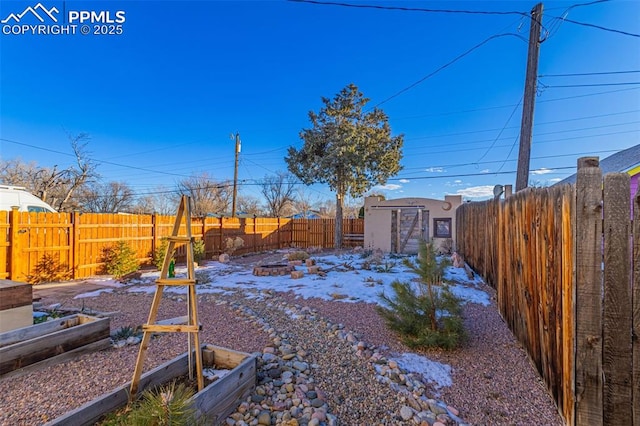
x: 62, y: 246
x: 565, y: 264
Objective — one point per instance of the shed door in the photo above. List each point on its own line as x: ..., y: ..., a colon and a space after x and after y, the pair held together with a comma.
x: 408, y: 227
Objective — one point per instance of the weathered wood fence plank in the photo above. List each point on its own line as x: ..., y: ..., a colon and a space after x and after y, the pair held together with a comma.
x: 589, y: 293
x: 567, y: 283
x: 618, y: 315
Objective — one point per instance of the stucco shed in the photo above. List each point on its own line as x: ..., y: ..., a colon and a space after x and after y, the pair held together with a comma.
x: 396, y: 226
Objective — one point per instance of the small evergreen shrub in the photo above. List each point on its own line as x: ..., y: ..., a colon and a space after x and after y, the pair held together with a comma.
x: 120, y: 260
x: 429, y: 316
x: 158, y: 253
x: 198, y: 250
x: 48, y: 269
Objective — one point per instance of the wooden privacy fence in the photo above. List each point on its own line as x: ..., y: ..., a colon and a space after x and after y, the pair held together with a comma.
x: 565, y: 263
x: 74, y: 243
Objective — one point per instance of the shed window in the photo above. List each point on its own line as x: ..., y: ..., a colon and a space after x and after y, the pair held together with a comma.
x: 442, y: 228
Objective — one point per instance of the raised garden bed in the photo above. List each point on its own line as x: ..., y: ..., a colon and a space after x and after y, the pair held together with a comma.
x: 213, y: 404
x: 50, y: 342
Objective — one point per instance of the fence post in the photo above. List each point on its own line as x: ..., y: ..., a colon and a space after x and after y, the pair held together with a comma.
x: 636, y: 308
x: 508, y: 191
x: 74, y: 244
x: 154, y: 236
x: 324, y: 234
x: 204, y: 235
x: 222, y: 245
x: 617, y: 347
x: 14, y: 230
x: 588, y: 376
x: 278, y: 233
x: 255, y: 234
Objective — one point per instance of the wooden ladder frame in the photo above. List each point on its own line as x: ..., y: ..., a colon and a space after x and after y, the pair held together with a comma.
x: 192, y: 328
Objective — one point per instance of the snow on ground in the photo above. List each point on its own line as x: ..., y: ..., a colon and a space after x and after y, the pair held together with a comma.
x: 435, y: 372
x: 94, y: 293
x: 346, y: 280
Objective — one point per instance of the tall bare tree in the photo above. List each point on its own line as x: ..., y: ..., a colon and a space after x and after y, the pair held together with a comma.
x: 304, y: 201
x: 352, y: 207
x: 207, y: 195
x: 18, y: 173
x: 161, y: 200
x: 249, y: 205
x: 54, y: 185
x: 84, y: 171
x: 278, y: 191
x: 110, y: 197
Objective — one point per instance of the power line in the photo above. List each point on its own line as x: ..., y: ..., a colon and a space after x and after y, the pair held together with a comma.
x: 410, y: 9
x: 587, y: 95
x: 536, y: 142
x: 537, y: 134
x: 588, y: 73
x: 412, y: 85
x: 557, y: 22
x: 99, y: 161
x: 586, y: 24
x: 439, y: 114
x: 513, y: 146
x: 578, y: 5
x: 502, y: 130
x: 630, y: 83
x: 544, y: 157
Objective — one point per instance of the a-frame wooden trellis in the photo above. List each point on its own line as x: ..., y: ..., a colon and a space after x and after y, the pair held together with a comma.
x: 192, y: 327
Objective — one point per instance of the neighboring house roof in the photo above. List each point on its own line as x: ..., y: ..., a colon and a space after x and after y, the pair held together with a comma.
x: 621, y: 161
x: 309, y: 214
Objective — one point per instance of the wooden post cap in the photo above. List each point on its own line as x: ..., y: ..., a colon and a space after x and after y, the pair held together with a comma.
x: 588, y: 162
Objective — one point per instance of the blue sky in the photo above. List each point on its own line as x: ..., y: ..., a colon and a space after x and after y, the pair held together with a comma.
x: 161, y: 99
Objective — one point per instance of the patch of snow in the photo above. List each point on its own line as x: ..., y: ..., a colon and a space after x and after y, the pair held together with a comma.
x: 471, y: 295
x: 432, y: 371
x: 93, y: 293
x: 108, y: 282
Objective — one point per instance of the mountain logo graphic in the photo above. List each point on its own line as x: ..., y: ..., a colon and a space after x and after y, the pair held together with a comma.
x: 38, y: 11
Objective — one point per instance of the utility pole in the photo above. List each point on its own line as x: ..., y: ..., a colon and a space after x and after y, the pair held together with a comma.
x: 235, y: 175
x: 530, y: 86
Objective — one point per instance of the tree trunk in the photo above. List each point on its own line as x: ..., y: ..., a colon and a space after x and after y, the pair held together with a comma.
x: 338, y: 230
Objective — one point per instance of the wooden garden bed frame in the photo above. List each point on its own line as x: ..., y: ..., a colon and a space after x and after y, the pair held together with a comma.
x: 40, y: 345
x: 214, y: 403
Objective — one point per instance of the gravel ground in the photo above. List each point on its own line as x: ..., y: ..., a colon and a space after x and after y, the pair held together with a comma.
x: 493, y: 381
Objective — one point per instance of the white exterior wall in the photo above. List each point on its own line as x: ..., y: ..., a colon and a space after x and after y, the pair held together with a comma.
x: 377, y: 218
